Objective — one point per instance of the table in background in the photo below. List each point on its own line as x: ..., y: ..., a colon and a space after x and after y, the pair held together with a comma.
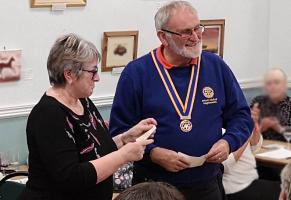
x: 269, y: 161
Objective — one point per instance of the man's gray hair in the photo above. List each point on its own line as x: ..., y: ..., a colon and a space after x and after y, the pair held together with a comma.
x: 71, y: 52
x: 286, y: 181
x: 165, y: 12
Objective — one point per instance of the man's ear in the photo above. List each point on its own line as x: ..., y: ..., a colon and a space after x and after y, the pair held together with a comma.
x: 69, y: 76
x: 163, y: 38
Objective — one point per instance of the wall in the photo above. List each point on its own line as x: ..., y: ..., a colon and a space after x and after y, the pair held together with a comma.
x: 34, y: 30
x: 279, y: 37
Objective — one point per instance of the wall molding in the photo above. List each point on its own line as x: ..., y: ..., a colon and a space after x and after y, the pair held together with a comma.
x: 24, y: 110
x: 255, y: 83
x: 102, y: 101
x: 249, y: 84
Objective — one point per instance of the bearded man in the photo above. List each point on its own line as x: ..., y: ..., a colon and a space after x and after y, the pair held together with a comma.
x: 192, y: 95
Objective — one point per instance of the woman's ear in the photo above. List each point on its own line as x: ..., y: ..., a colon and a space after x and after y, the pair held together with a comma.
x: 163, y: 38
x: 69, y: 76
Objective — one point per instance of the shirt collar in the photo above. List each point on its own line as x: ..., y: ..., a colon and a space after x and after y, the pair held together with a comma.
x: 168, y: 65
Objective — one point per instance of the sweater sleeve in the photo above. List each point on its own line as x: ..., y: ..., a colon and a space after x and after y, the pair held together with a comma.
x: 58, y: 152
x: 236, y: 114
x: 126, y: 109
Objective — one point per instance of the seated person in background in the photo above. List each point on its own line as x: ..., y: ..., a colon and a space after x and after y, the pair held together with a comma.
x: 241, y: 180
x: 151, y: 191
x: 286, y: 183
x: 274, y: 107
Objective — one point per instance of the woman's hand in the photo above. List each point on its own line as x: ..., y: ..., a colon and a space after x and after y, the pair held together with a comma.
x: 270, y: 123
x: 134, y: 151
x: 139, y: 129
x: 255, y: 113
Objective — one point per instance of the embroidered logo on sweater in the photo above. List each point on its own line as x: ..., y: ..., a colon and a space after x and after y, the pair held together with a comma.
x: 208, y: 93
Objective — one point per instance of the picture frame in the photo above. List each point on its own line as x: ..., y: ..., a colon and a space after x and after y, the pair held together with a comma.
x: 10, y: 65
x: 49, y: 3
x: 213, y: 36
x: 118, y: 49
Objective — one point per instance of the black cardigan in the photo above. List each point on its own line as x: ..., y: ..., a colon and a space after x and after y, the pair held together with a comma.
x: 60, y: 145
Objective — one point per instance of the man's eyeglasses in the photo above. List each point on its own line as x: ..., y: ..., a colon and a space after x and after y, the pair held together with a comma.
x: 187, y: 32
x: 93, y: 71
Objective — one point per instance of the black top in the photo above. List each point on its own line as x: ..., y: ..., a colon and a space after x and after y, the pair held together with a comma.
x: 60, y: 145
x: 281, y: 110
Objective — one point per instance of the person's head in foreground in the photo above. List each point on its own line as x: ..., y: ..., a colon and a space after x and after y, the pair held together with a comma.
x: 72, y: 64
x: 151, y: 191
x: 179, y: 30
x: 286, y: 183
x: 275, y: 84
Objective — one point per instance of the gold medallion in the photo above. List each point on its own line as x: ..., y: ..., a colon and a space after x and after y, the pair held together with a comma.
x: 186, y: 126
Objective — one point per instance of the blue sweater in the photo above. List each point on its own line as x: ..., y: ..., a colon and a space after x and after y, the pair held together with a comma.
x: 141, y: 94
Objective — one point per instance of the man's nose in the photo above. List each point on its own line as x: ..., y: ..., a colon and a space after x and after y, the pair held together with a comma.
x: 96, y: 78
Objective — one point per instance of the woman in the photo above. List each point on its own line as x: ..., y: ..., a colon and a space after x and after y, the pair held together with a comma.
x: 71, y: 154
x: 273, y: 108
x: 240, y: 178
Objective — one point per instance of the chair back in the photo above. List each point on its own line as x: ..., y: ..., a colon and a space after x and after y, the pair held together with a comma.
x: 10, y: 190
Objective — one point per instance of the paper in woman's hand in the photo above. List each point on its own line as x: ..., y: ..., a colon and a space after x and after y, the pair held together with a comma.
x: 149, y: 134
x: 194, y: 161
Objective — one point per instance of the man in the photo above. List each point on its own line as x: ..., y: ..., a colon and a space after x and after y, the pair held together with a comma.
x: 192, y: 96
x: 274, y: 108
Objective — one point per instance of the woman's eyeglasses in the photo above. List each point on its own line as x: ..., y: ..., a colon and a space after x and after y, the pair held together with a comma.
x: 187, y: 32
x: 93, y: 71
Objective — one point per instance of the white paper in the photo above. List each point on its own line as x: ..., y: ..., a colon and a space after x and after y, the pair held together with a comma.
x: 147, y: 134
x: 276, y: 154
x: 194, y: 161
x: 272, y: 146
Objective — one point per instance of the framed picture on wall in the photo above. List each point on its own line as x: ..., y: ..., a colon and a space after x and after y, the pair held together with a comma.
x: 118, y: 49
x: 10, y: 64
x: 49, y: 3
x: 213, y: 36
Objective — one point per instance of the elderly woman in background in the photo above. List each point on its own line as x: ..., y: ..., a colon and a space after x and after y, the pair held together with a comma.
x: 71, y: 154
x: 273, y: 113
x: 286, y: 183
x: 273, y: 109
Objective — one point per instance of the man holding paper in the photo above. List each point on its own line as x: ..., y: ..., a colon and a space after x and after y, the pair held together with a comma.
x: 193, y: 95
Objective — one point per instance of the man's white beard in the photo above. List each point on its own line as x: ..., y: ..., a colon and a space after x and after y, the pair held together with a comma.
x: 184, y: 51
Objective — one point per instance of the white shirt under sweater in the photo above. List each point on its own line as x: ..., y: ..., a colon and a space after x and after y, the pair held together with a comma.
x: 238, y: 175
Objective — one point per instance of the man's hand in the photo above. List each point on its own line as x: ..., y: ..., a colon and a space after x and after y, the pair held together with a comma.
x: 219, y: 152
x: 168, y: 159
